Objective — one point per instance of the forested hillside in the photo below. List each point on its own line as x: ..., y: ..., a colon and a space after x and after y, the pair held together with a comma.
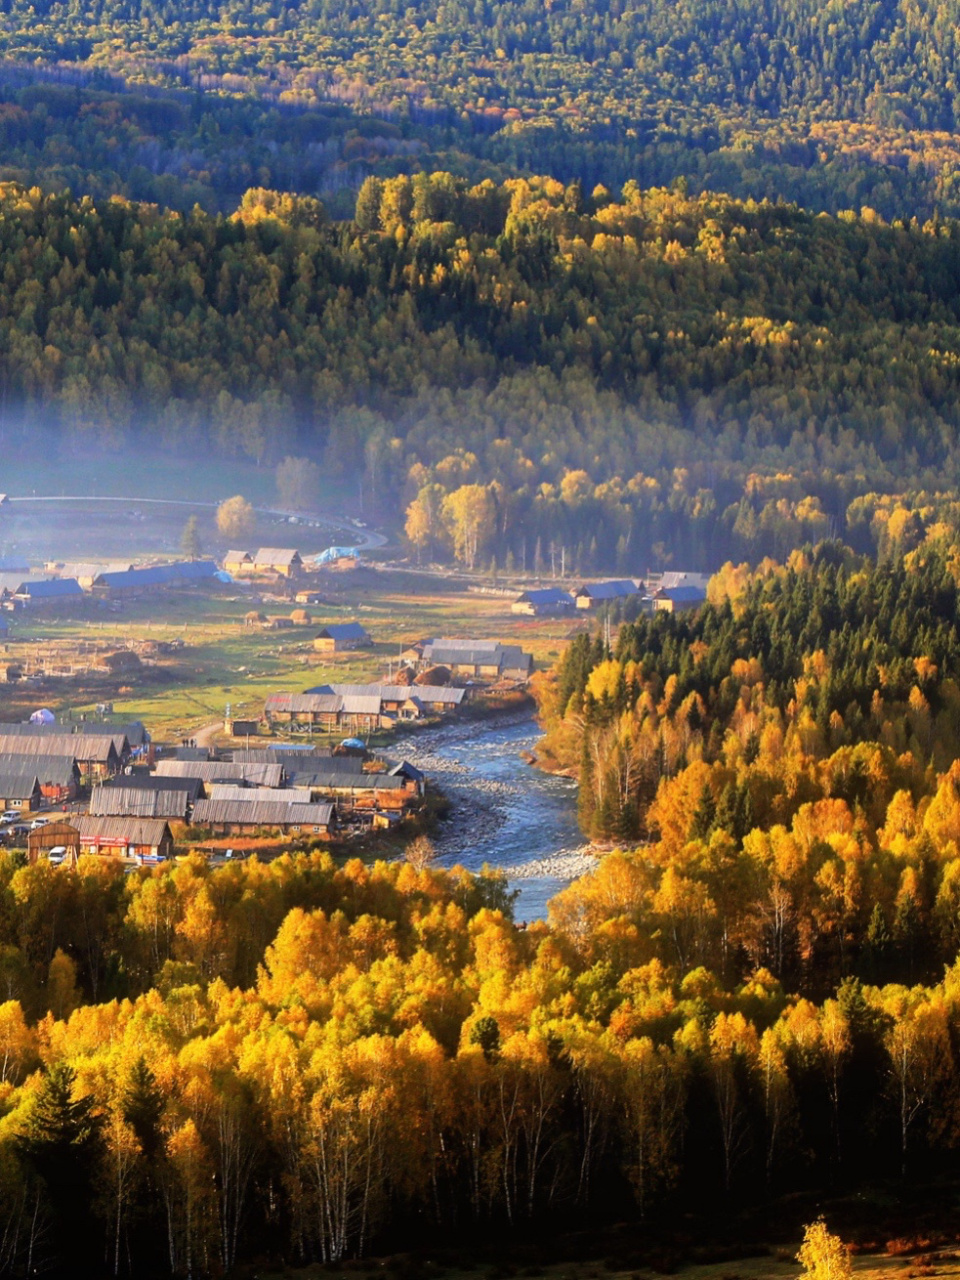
x: 203, y: 1070
x: 611, y: 372
x: 836, y: 106
x: 827, y: 686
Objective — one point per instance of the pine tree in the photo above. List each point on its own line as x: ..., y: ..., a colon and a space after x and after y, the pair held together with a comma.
x: 190, y: 539
x: 877, y: 948
x: 726, y: 818
x: 61, y: 1146
x: 908, y: 936
x: 586, y: 799
x: 486, y: 1034
x: 143, y: 1106
x: 704, y: 815
x: 744, y: 821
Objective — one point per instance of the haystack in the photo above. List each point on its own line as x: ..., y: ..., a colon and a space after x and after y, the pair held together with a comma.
x: 434, y: 675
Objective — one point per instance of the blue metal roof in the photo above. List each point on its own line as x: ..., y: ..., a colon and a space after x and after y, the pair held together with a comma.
x: 47, y: 588
x: 681, y: 594
x: 547, y: 595
x: 611, y: 590
x: 343, y: 631
x: 195, y: 570
x: 159, y: 574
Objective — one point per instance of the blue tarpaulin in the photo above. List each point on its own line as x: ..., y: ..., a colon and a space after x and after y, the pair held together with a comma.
x: 336, y: 553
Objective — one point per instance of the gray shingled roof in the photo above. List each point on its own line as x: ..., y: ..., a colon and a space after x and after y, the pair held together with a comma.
x: 54, y: 771
x: 261, y: 813
x: 397, y: 692
x: 438, y: 657
x: 83, y: 569
x: 323, y: 781
x: 360, y: 704
x: 437, y: 693
x: 77, y: 746
x: 275, y: 555
x: 18, y: 786
x: 262, y: 775
x: 139, y: 781
x: 295, y: 761
x: 237, y: 791
x: 134, y: 733
x: 137, y: 802
x: 452, y: 642
x: 302, y: 703
x: 144, y: 831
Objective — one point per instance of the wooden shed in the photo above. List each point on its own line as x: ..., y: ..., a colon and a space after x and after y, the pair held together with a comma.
x: 237, y: 563
x: 54, y: 835
x: 132, y: 839
x: 314, y: 710
x: 283, y: 561
x: 340, y: 637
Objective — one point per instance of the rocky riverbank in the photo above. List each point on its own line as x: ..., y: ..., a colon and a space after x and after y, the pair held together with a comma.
x: 502, y: 811
x: 559, y: 866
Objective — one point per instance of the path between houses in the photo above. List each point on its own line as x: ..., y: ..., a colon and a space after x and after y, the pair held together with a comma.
x: 204, y: 737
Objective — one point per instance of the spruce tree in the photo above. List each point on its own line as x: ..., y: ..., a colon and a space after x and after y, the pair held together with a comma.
x: 143, y: 1109
x: 704, y: 815
x: 877, y: 948
x: 61, y: 1146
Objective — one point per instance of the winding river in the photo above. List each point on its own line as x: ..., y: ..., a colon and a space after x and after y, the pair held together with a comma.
x: 503, y: 811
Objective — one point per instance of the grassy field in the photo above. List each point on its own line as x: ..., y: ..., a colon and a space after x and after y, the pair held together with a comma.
x: 224, y: 661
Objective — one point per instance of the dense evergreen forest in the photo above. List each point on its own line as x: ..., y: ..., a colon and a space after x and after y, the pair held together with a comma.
x: 602, y: 373
x: 832, y: 106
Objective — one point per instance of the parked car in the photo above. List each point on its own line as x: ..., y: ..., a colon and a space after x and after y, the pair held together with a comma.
x: 37, y: 823
x: 57, y: 855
